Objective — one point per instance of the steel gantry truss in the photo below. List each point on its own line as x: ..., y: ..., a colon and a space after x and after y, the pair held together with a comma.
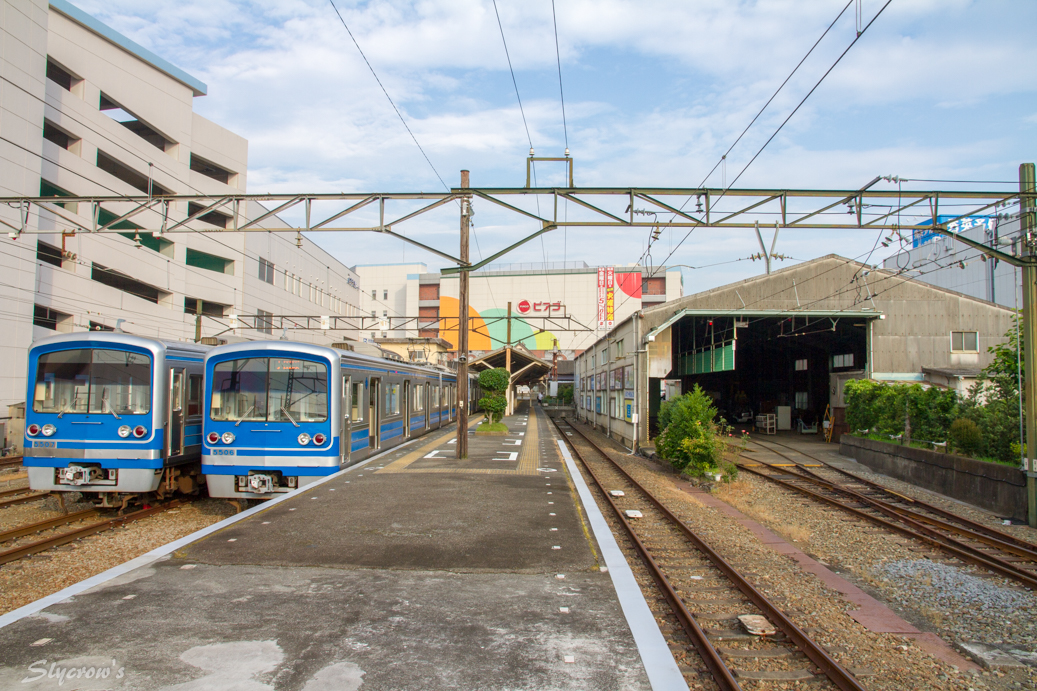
x: 306, y: 322
x: 595, y: 207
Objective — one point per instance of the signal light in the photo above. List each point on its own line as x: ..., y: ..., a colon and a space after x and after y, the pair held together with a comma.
x: 124, y: 431
x: 228, y: 437
x: 213, y: 437
x: 304, y: 439
x: 139, y: 431
x: 33, y: 430
x: 49, y: 430
x: 318, y: 439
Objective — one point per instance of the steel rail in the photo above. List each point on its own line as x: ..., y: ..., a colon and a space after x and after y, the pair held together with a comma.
x: 916, y: 530
x: 722, y: 674
x: 47, y: 524
x: 10, y: 461
x: 12, y: 492
x: 815, y: 653
x: 73, y: 535
x: 967, y: 522
x: 23, y: 500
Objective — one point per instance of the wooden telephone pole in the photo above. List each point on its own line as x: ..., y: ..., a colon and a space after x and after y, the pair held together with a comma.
x: 462, y: 328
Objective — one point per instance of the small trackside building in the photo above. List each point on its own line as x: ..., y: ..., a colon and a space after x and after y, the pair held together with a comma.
x: 785, y: 343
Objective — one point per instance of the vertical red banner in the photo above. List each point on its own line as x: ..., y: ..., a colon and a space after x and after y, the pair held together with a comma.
x: 602, y: 298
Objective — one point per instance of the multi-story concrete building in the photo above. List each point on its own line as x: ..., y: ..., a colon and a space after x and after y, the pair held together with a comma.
x: 85, y: 111
x: 565, y: 305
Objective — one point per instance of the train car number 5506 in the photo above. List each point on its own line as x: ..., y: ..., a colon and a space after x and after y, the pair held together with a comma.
x: 223, y: 452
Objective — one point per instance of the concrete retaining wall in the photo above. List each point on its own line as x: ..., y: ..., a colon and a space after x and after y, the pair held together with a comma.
x: 992, y: 486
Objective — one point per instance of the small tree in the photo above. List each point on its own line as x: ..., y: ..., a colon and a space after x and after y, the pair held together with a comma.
x: 494, y: 382
x: 692, y: 441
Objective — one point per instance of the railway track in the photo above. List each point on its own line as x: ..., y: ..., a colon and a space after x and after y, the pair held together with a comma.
x: 706, y: 593
x: 10, y: 462
x: 955, y: 535
x: 20, y: 495
x: 63, y: 538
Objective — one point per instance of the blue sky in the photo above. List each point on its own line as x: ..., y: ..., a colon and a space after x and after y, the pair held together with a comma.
x: 655, y: 92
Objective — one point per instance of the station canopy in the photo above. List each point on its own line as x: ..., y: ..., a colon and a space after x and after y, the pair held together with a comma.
x: 526, y: 368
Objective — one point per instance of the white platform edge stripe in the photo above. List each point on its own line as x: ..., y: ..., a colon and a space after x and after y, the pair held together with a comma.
x: 159, y: 552
x: 662, y: 670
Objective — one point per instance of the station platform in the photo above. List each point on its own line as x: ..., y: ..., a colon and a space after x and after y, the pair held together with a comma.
x: 413, y: 570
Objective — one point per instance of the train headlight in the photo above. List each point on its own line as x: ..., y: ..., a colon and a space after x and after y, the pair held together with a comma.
x: 228, y: 437
x: 213, y: 437
x: 49, y: 430
x: 33, y: 430
x: 318, y: 439
x: 124, y: 431
x: 139, y: 431
x: 304, y: 439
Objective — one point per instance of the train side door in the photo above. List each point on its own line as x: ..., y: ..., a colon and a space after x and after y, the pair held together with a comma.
x: 346, y: 433
x: 374, y: 396
x: 427, y: 393
x: 406, y: 409
x: 175, y: 426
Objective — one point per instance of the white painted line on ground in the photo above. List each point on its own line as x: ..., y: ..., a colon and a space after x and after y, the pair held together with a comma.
x: 159, y: 552
x: 656, y: 657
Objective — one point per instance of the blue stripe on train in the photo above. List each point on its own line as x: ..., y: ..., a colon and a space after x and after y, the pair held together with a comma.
x: 289, y: 470
x: 138, y: 463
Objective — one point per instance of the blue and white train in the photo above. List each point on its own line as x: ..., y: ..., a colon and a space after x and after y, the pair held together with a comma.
x: 113, y: 416
x: 280, y: 415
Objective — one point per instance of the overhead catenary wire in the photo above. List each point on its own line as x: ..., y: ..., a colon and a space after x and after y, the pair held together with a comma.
x: 384, y: 91
x: 561, y: 91
x: 860, y: 33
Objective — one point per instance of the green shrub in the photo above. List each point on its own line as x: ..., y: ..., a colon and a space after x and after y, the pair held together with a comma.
x: 494, y: 382
x: 966, y: 435
x: 691, y: 441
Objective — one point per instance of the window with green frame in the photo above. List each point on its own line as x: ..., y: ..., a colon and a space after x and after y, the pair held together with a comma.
x: 209, y: 262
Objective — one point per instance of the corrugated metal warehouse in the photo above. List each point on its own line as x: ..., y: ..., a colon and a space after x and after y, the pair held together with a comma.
x: 785, y: 343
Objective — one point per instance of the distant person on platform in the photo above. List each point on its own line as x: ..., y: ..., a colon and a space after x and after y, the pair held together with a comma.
x: 540, y: 398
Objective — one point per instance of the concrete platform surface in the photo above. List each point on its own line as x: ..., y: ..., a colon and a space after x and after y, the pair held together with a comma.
x: 413, y: 571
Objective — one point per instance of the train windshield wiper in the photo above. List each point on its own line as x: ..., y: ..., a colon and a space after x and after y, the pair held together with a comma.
x: 69, y: 407
x: 104, y: 404
x: 288, y: 415
x: 250, y: 409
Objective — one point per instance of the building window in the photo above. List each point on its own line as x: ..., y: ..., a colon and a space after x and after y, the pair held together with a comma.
x: 385, y: 313
x: 372, y: 335
x: 383, y: 334
x: 619, y: 349
x: 54, y: 134
x: 120, y: 281
x: 209, y: 309
x: 214, y: 218
x: 385, y: 294
x: 51, y: 319
x: 128, y: 175
x: 209, y: 262
x: 802, y: 400
x: 964, y: 341
x: 49, y: 254
x: 374, y: 294
x: 845, y: 360
x: 801, y: 365
x: 59, y: 75
x: 134, y: 124
x: 209, y: 169
x: 264, y: 323
x: 266, y: 271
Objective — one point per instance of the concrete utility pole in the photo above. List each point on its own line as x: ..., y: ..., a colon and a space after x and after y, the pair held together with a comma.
x: 462, y: 329
x: 1029, y: 270
x: 510, y: 407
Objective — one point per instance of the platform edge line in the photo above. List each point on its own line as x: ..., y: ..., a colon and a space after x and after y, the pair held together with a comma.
x: 662, y: 670
x: 164, y: 550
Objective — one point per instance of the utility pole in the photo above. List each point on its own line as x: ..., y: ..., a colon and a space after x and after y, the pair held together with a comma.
x: 1027, y: 210
x: 507, y: 364
x: 197, y: 321
x: 462, y: 329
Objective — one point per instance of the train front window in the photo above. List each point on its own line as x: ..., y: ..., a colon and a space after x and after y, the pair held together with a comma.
x: 270, y: 390
x: 93, y: 381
